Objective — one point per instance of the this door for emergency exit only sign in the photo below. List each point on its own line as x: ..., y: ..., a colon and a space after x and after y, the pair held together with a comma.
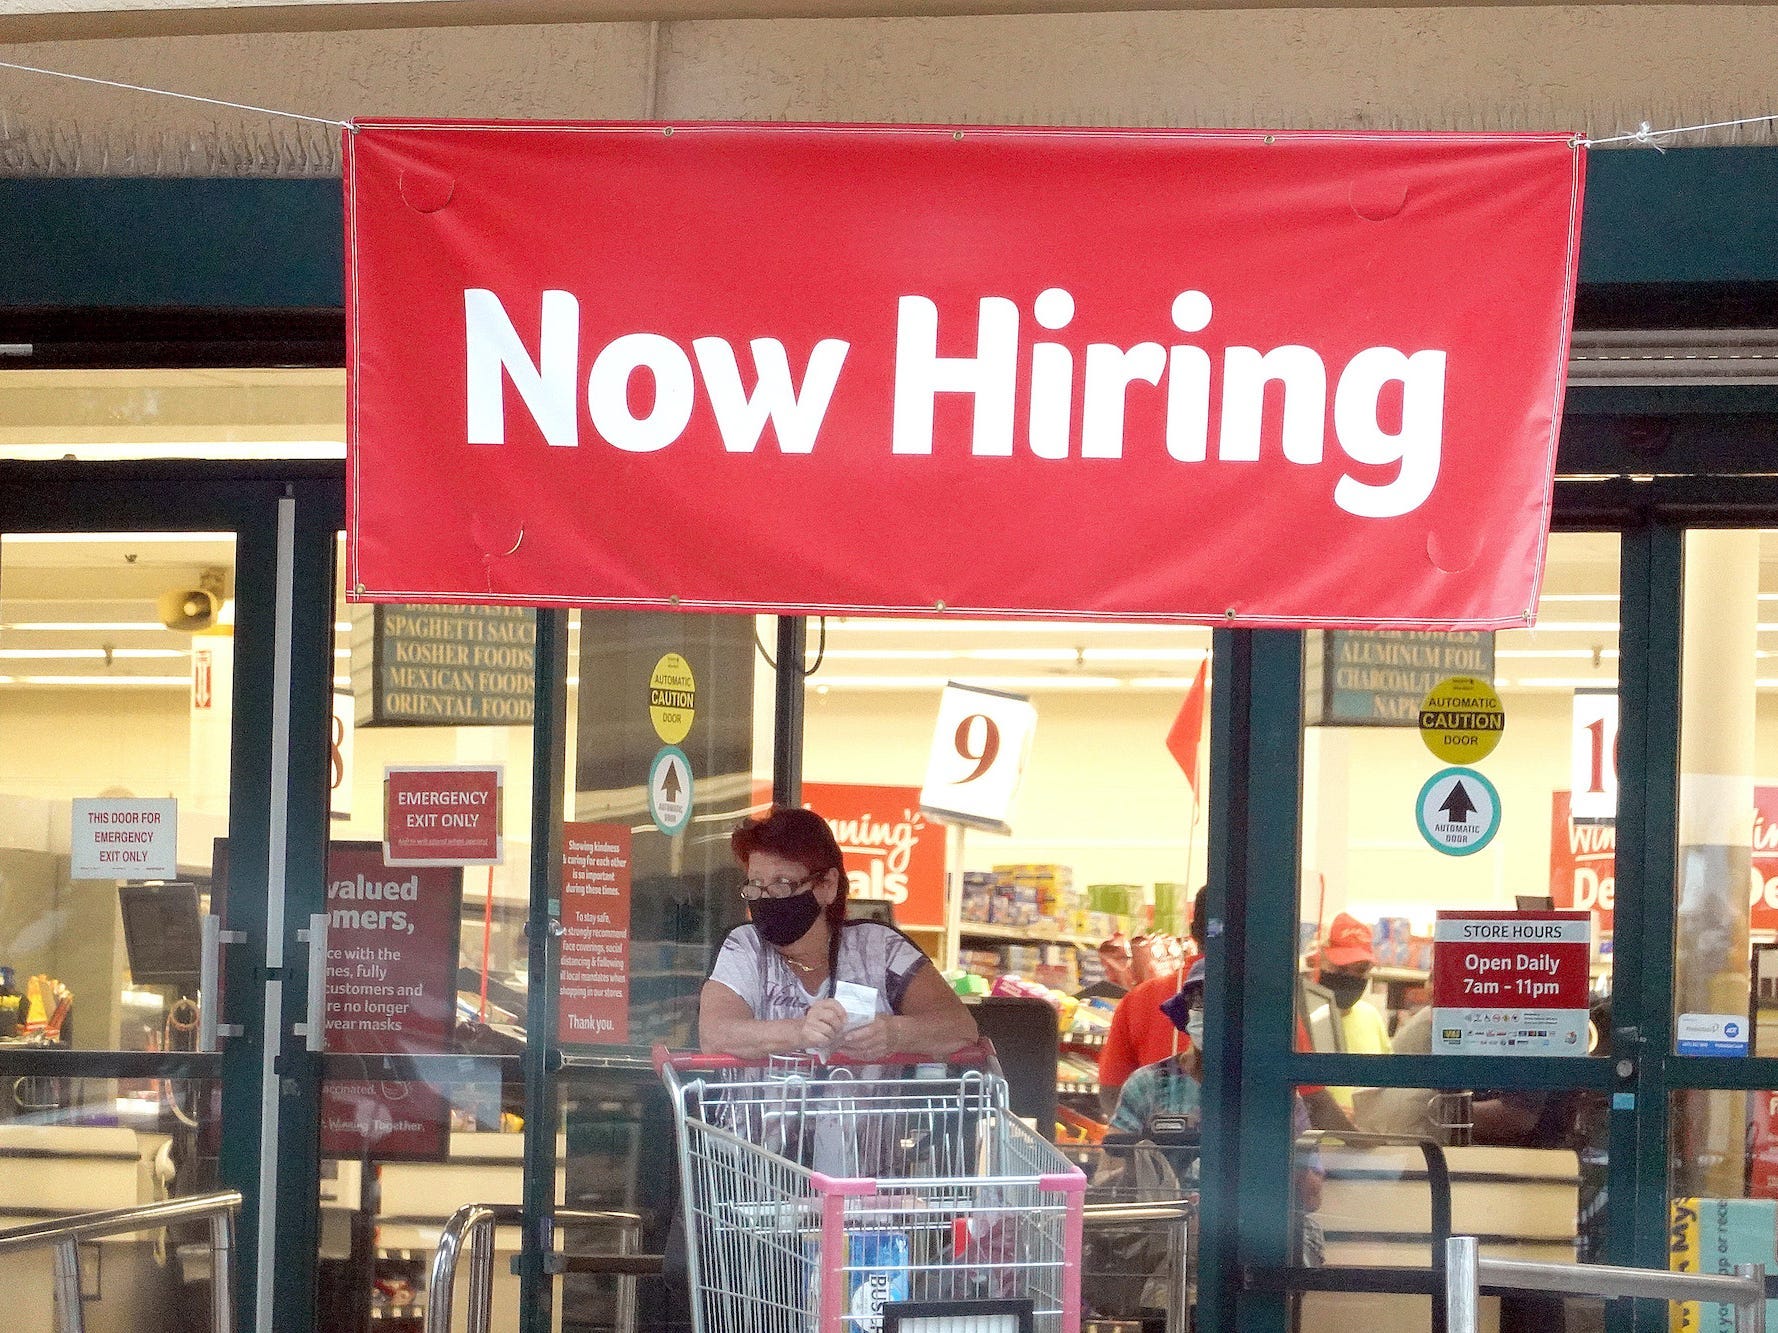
x: 1511, y: 983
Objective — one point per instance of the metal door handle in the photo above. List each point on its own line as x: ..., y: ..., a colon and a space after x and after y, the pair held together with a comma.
x: 211, y: 938
x: 311, y: 1030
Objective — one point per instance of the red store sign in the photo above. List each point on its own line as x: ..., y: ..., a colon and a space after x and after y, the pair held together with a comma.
x: 893, y: 853
x: 1583, y: 861
x: 1257, y: 379
x: 442, y: 815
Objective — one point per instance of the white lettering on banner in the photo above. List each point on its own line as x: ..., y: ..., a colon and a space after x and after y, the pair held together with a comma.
x: 742, y: 418
x: 492, y: 345
x: 495, y: 352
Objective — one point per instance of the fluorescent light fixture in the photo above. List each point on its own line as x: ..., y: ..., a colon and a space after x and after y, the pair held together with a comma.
x: 114, y: 538
x: 838, y: 626
x: 85, y: 626
x: 1583, y: 653
x: 1569, y: 627
x: 209, y: 450
x: 86, y: 654
x: 912, y: 682
x: 137, y: 682
x: 1560, y: 682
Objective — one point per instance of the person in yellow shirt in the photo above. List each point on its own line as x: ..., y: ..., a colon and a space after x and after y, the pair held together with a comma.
x: 1345, y: 960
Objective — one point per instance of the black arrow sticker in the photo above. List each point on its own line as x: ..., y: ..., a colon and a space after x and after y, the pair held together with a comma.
x: 1458, y: 807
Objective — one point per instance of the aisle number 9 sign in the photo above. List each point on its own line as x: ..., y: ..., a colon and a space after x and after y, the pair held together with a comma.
x: 979, y: 748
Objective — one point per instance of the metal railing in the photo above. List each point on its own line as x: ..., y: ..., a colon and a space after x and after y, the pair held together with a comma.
x: 66, y: 1234
x: 1466, y: 1273
x: 471, y: 1229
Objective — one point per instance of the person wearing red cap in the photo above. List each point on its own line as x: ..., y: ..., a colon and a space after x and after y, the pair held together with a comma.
x: 1344, y: 962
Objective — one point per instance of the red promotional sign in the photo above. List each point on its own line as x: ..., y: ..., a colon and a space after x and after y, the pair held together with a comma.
x: 1583, y: 860
x: 1297, y: 379
x: 441, y: 815
x: 1511, y: 983
x: 594, y: 976
x: 391, y: 989
x: 893, y: 853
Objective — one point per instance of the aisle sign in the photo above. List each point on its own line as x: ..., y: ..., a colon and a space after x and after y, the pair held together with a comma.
x: 1458, y: 811
x: 1510, y: 983
x: 1295, y: 338
x: 442, y: 815
x: 594, y: 975
x: 979, y: 749
x: 124, y: 838
x: 1593, y: 757
x: 894, y: 854
x: 1378, y: 678
x: 1461, y: 719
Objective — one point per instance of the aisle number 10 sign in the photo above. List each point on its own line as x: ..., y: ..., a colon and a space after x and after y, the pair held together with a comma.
x: 1593, y: 757
x: 979, y: 748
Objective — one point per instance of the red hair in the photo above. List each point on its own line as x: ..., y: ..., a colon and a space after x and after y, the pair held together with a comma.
x: 797, y: 835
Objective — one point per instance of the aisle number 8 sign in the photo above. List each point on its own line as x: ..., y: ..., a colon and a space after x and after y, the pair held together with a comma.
x: 979, y: 748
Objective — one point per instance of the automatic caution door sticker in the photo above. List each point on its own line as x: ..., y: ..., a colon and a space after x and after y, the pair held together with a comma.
x: 1458, y: 811
x: 672, y: 698
x: 1461, y: 719
x: 669, y: 790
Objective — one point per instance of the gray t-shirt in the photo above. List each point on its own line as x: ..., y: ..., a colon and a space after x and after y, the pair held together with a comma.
x: 871, y: 954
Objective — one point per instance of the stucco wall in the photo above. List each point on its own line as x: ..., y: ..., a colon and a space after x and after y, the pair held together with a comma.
x: 1599, y: 69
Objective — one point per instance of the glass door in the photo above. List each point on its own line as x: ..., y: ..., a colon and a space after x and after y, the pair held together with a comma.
x: 156, y: 733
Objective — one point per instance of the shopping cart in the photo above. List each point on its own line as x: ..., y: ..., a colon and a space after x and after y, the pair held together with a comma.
x: 823, y: 1199
x: 1140, y: 1231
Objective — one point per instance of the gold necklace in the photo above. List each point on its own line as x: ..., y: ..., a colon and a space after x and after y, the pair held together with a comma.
x: 804, y: 968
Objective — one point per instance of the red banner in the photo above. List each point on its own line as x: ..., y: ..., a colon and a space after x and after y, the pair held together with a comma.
x: 1255, y: 379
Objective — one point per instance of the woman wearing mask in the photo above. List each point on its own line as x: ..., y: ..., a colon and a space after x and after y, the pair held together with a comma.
x: 779, y: 983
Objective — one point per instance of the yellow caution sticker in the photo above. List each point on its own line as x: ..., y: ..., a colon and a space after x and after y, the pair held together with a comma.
x: 672, y: 698
x: 1461, y: 719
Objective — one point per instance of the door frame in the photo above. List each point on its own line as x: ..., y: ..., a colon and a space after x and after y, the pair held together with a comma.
x: 284, y: 518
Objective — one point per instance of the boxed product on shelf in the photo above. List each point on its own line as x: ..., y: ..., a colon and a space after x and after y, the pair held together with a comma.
x: 980, y: 962
x: 1390, y: 941
x: 1172, y: 907
x: 1015, y: 904
x: 1051, y: 887
x: 978, y: 896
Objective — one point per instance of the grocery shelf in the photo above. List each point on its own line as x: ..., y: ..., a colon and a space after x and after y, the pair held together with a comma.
x: 979, y: 930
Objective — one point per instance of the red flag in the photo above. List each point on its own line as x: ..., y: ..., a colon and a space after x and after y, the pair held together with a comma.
x: 1188, y: 728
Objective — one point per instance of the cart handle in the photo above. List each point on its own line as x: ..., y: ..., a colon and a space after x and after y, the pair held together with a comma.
x: 976, y: 1055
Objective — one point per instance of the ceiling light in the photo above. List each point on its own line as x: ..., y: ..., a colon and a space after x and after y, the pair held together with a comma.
x: 183, y: 682
x: 114, y: 538
x: 85, y: 626
x: 87, y: 654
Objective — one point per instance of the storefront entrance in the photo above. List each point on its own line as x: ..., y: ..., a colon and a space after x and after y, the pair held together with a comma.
x: 351, y: 1157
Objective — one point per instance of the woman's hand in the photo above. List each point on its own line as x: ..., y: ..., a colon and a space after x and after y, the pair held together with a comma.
x: 824, y: 1025
x: 875, y: 1039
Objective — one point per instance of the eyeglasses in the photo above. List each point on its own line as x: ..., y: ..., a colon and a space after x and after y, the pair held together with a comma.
x: 755, y: 889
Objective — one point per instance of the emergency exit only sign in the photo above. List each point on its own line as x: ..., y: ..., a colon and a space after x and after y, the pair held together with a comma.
x: 124, y: 838
x: 441, y: 815
x: 1511, y: 983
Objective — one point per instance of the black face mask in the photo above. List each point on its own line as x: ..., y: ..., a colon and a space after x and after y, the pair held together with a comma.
x: 1347, y: 991
x: 784, y: 921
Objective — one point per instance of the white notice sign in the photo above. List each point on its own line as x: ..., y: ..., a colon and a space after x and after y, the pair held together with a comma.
x: 124, y: 838
x: 978, y: 756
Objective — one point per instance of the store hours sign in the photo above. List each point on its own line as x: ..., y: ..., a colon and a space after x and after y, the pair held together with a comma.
x: 1064, y: 338
x: 1510, y: 983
